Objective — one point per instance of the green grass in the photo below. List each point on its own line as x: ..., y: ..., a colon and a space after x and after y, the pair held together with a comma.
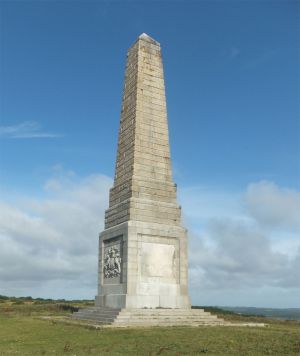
x: 22, y: 332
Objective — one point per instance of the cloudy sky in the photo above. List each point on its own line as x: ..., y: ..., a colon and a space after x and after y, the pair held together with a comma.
x: 232, y: 80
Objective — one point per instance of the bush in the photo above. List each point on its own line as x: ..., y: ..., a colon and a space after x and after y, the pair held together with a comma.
x: 68, y: 307
x: 38, y: 302
x: 18, y: 302
x: 26, y: 298
x: 3, y: 297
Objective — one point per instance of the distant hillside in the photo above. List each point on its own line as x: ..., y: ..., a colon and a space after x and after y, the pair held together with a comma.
x: 284, y: 314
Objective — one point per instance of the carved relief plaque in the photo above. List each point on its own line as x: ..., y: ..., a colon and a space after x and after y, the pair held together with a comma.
x: 112, y: 260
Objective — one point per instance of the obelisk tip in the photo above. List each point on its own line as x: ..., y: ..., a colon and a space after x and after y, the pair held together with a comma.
x: 147, y: 38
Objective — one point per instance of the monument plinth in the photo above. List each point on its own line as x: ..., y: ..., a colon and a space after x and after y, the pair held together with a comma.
x: 143, y: 249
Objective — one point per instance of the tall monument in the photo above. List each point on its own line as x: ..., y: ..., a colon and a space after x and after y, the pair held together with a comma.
x: 143, y: 262
x: 143, y: 249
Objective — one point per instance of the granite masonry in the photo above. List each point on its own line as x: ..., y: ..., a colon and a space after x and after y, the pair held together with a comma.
x: 143, y: 222
x: 143, y: 262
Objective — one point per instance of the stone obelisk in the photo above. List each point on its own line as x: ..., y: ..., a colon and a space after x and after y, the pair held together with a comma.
x: 143, y: 249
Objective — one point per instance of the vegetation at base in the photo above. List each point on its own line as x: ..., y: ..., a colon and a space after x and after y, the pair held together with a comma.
x: 28, y: 306
x: 214, y: 310
x: 278, y: 313
x: 23, y: 332
x: 232, y: 316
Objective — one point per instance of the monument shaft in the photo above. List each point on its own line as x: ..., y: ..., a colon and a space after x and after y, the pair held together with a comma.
x: 143, y: 249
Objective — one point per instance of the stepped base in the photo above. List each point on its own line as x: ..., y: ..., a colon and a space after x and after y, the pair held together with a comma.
x: 147, y: 317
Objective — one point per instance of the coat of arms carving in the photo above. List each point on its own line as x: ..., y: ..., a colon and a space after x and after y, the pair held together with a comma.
x: 112, y: 263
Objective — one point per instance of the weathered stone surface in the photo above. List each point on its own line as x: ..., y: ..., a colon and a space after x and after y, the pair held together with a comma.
x: 148, y: 317
x: 143, y: 249
x: 153, y: 317
x: 143, y: 261
x: 143, y: 166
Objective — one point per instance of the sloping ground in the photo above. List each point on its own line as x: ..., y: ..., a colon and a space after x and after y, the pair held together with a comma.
x: 25, y: 335
x: 22, y: 332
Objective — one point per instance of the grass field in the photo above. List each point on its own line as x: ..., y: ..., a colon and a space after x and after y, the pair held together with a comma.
x: 23, y: 332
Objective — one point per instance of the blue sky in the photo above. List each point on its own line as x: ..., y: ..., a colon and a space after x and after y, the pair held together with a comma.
x: 232, y: 83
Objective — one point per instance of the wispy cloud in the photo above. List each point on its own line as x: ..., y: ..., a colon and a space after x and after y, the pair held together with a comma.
x: 234, y: 52
x: 246, y: 251
x: 260, y: 59
x: 25, y: 130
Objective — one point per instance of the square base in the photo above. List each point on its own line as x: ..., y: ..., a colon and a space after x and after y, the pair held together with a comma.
x: 150, y: 270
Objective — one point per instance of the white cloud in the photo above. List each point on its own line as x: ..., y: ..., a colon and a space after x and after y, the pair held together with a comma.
x: 244, y: 247
x: 273, y: 206
x: 249, y: 241
x: 26, y: 129
x: 53, y: 240
x: 241, y: 256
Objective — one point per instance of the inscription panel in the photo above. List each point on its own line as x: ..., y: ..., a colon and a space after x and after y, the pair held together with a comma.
x: 158, y: 260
